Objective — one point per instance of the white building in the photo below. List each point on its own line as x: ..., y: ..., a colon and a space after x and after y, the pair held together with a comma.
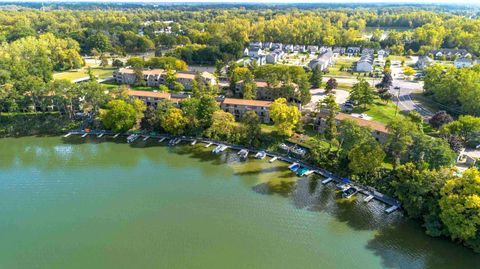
x: 463, y: 62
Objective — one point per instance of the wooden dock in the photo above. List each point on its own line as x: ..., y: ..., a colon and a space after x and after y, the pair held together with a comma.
x: 370, y: 194
x: 146, y: 138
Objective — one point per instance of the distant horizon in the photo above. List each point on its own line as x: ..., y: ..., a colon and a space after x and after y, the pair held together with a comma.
x: 386, y: 2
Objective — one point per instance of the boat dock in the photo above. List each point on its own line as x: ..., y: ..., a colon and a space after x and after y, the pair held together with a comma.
x: 295, y: 164
x: 146, y: 138
x: 368, y: 198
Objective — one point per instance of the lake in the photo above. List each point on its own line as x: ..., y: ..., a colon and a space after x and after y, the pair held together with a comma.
x: 102, y: 203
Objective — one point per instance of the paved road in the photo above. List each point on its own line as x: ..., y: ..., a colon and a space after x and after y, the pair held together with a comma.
x: 403, y: 96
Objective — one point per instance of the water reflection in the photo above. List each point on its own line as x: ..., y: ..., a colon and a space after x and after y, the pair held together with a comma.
x: 399, y: 243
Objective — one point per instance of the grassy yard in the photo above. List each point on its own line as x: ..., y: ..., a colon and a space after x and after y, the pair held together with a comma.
x: 380, y: 111
x: 347, y: 64
x: 100, y: 72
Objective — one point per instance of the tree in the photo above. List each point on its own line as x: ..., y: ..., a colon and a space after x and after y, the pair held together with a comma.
x: 408, y: 71
x: 178, y: 87
x: 103, y: 60
x: 316, y: 78
x: 466, y: 127
x: 362, y: 93
x: 207, y: 105
x: 119, y: 116
x: 419, y: 192
x: 416, y: 118
x: 284, y: 116
x: 249, y: 90
x: 430, y: 152
x: 173, y: 121
x: 352, y: 134
x: 136, y: 62
x: 460, y: 205
x: 329, y: 103
x: 386, y: 96
x: 366, y: 158
x: 139, y: 107
x: 139, y: 80
x: 223, y: 126
x: 117, y: 63
x: 251, y: 128
x: 331, y: 85
x: 439, y: 119
x: 400, y: 138
x: 387, y: 81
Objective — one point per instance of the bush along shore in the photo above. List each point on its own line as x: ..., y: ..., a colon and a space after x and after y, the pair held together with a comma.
x: 25, y: 124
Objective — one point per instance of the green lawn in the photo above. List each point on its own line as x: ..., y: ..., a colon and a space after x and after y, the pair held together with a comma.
x: 334, y: 70
x: 380, y: 111
x: 100, y: 72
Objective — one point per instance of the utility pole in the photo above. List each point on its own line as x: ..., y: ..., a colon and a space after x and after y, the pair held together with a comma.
x: 398, y: 101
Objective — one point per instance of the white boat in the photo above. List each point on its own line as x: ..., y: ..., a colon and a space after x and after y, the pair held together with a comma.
x: 132, y: 138
x: 208, y: 145
x: 293, y: 165
x: 216, y: 149
x: 146, y: 138
x: 309, y: 172
x: 116, y: 135
x: 273, y: 159
x: 349, y: 192
x: 243, y: 154
x: 223, y: 148
x: 391, y: 209
x: 67, y: 135
x: 162, y: 139
x: 260, y: 155
x: 326, y: 181
x: 194, y: 142
x: 85, y: 134
x: 100, y: 135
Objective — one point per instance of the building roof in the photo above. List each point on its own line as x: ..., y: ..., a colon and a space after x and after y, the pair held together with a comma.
x: 243, y: 102
x: 160, y: 95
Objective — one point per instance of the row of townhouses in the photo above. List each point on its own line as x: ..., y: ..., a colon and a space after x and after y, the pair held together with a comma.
x: 238, y: 107
x: 156, y: 77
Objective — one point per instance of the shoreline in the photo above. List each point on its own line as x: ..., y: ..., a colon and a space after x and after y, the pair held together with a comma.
x: 365, y: 190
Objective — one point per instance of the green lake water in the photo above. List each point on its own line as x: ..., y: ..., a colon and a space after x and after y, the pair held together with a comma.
x: 101, y: 203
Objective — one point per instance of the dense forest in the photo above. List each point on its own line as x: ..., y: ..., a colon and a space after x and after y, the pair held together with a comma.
x: 212, y: 34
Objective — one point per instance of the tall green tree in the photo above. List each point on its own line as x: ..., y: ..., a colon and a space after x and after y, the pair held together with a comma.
x: 460, y: 205
x: 284, y: 116
x: 362, y: 93
x: 119, y: 116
